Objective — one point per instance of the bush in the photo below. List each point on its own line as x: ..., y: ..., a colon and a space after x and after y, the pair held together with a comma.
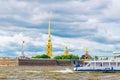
x: 41, y: 56
x: 66, y: 57
x: 96, y: 57
x: 58, y: 57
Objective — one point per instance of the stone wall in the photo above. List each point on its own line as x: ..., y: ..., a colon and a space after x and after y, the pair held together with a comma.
x: 36, y: 62
x: 63, y: 62
x: 8, y: 62
x: 44, y: 62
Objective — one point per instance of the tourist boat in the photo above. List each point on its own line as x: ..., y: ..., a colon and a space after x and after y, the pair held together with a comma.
x: 108, y: 64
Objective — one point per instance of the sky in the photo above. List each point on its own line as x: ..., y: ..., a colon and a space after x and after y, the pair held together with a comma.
x: 77, y: 24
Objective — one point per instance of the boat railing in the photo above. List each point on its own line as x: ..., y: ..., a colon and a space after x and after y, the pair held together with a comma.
x: 109, y: 58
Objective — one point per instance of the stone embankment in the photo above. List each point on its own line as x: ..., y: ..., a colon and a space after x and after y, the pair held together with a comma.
x: 46, y: 62
x: 8, y: 62
x: 37, y: 62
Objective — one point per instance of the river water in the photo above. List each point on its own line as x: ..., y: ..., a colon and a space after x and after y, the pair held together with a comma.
x: 51, y: 73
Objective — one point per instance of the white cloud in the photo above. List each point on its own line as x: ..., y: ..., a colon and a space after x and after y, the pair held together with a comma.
x: 87, y: 20
x: 113, y: 10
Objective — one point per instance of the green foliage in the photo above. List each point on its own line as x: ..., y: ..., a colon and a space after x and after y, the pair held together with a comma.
x: 41, y: 56
x: 66, y: 57
x: 58, y: 57
x: 96, y: 57
x: 117, y: 56
x: 106, y: 58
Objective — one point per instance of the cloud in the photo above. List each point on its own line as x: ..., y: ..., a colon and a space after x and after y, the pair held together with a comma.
x: 78, y: 24
x: 112, y: 11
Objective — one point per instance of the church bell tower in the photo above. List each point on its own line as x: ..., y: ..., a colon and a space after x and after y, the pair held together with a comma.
x: 66, y: 52
x: 49, y: 43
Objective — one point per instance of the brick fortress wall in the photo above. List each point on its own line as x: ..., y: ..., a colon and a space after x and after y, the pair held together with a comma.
x: 36, y: 62
x: 47, y: 62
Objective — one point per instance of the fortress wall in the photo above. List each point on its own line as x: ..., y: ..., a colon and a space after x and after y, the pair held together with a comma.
x: 8, y: 62
x: 35, y: 62
x: 44, y: 62
x: 63, y: 62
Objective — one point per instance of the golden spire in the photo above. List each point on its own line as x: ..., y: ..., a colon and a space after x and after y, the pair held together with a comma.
x: 66, y: 52
x: 86, y: 52
x: 49, y: 43
x: 49, y: 30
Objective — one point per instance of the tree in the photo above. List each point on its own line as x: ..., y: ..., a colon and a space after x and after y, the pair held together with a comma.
x: 117, y: 56
x: 41, y: 56
x: 58, y: 57
x: 66, y: 57
x: 96, y: 57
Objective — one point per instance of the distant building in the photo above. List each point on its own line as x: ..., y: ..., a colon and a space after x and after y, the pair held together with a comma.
x: 86, y: 55
x: 49, y: 43
x: 66, y: 52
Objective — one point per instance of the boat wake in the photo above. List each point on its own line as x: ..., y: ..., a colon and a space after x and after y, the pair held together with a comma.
x: 67, y: 70
x: 33, y: 71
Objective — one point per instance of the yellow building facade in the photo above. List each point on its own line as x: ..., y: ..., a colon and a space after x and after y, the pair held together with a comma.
x: 49, y: 43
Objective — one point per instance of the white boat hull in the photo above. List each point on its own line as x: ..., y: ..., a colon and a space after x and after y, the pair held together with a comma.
x: 99, y: 69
